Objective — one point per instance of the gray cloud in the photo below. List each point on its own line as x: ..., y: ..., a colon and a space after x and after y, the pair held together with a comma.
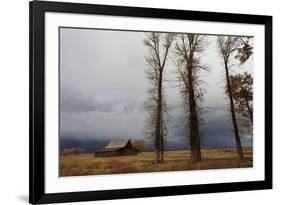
x: 103, y: 88
x: 74, y: 101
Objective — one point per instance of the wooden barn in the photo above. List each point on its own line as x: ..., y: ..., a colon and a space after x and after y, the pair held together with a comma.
x: 117, y: 148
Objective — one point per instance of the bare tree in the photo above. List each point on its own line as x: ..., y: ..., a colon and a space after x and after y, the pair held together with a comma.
x: 228, y: 45
x: 188, y: 48
x: 158, y: 45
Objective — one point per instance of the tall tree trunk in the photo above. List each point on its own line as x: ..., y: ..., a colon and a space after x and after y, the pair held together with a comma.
x: 233, y: 116
x: 193, y: 119
x: 162, y: 141
x: 158, y: 119
x: 249, y: 110
x: 157, y: 154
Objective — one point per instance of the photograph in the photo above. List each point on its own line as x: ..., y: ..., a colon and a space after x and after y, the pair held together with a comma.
x: 133, y: 102
x: 152, y: 101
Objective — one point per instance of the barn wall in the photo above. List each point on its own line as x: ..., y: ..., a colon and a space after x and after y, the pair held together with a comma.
x: 105, y: 154
x: 121, y: 152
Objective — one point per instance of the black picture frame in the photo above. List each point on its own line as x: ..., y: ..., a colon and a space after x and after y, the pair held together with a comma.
x: 37, y: 9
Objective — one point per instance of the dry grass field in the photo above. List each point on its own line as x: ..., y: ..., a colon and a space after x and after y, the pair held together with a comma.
x: 88, y: 164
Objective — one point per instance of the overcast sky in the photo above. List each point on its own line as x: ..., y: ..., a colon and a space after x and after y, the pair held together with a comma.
x: 103, y: 88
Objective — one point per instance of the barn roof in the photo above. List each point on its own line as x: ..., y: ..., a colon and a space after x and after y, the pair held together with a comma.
x: 117, y: 144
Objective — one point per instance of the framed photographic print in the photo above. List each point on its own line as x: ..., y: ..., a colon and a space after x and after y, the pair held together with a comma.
x: 140, y: 102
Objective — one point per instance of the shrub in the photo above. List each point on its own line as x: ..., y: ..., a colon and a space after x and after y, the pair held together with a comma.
x: 73, y: 151
x: 139, y: 145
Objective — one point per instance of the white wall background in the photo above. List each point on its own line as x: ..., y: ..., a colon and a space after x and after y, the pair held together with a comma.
x: 14, y: 100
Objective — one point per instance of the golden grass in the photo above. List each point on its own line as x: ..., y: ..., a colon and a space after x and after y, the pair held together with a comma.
x: 88, y: 164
